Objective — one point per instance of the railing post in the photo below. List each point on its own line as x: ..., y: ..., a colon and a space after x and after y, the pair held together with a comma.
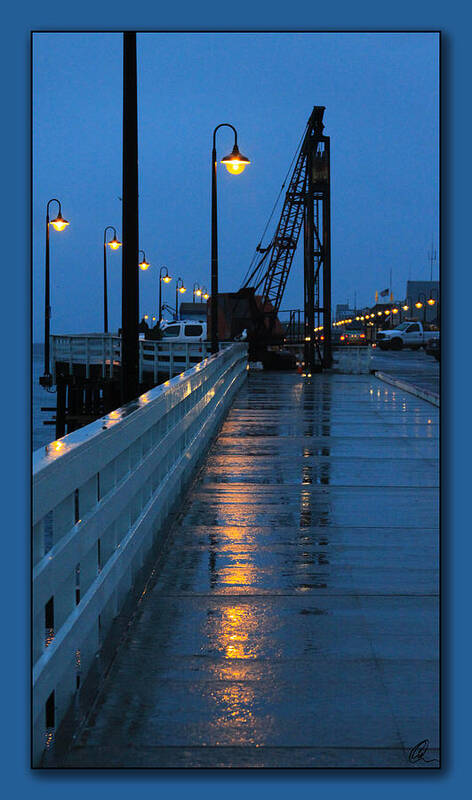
x: 155, y: 362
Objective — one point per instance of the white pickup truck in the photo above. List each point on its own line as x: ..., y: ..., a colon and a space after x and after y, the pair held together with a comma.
x: 408, y: 334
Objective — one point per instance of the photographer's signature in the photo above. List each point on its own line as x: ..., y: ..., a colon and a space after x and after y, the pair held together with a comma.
x: 418, y: 752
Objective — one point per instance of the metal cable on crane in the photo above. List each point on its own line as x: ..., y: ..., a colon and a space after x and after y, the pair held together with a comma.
x: 250, y: 273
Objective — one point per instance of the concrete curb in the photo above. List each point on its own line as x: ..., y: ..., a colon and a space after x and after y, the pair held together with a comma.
x: 424, y: 394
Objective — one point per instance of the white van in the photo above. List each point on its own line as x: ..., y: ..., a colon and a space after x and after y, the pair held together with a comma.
x: 184, y: 330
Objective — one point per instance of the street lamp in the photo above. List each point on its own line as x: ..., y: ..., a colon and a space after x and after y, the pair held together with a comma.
x: 196, y: 291
x: 179, y: 287
x: 205, y: 294
x: 405, y: 306
x: 235, y: 163
x: 144, y: 265
x: 419, y: 304
x: 114, y: 244
x: 59, y: 224
x: 167, y: 279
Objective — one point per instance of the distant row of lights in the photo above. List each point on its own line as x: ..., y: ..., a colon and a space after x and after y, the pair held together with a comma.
x: 393, y: 310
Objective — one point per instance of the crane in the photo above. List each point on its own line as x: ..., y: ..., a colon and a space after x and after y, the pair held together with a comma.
x: 307, y: 202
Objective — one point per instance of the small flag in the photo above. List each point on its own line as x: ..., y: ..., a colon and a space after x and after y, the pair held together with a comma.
x: 391, y: 297
x: 384, y: 293
x: 376, y: 296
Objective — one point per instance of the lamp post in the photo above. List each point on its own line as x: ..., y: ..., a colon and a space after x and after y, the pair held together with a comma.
x: 143, y: 264
x: 179, y: 287
x: 235, y: 164
x: 196, y: 291
x: 114, y: 244
x: 421, y: 304
x: 405, y: 306
x: 167, y: 279
x: 204, y: 295
x: 59, y: 224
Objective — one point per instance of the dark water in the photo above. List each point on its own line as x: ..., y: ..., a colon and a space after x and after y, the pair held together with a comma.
x: 42, y: 434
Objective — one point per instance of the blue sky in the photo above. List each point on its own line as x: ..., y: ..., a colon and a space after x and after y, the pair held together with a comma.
x: 382, y: 113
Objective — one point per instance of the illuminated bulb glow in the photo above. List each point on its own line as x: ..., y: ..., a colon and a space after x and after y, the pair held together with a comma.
x: 144, y: 265
x: 182, y: 289
x: 114, y: 244
x: 431, y: 301
x: 419, y: 305
x: 235, y: 167
x: 167, y: 279
x: 59, y: 223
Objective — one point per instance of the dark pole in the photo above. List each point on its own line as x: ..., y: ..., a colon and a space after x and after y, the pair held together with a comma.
x: 46, y: 379
x: 160, y: 298
x: 130, y: 282
x: 214, y: 255
x: 327, y: 355
x: 309, y: 349
x: 105, y: 298
x: 47, y: 306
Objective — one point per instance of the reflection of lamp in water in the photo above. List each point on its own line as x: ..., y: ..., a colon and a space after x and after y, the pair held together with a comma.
x: 239, y: 634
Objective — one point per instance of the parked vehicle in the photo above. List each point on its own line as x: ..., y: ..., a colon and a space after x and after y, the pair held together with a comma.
x: 433, y: 348
x: 185, y: 330
x: 413, y: 334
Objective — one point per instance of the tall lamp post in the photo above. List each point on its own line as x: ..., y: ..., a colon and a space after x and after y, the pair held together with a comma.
x: 433, y: 300
x: 114, y: 244
x: 167, y: 279
x: 406, y: 306
x: 179, y: 287
x: 421, y: 304
x: 59, y: 224
x: 235, y: 163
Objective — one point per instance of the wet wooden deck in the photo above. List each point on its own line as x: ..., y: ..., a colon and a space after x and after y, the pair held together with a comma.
x: 293, y: 621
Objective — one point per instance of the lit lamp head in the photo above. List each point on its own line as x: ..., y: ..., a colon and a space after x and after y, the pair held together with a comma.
x: 394, y: 310
x: 166, y: 278
x: 431, y: 301
x: 405, y: 307
x: 144, y: 265
x: 114, y: 244
x: 418, y: 305
x: 235, y: 163
x: 182, y: 289
x: 198, y: 292
x: 59, y: 223
x: 206, y: 295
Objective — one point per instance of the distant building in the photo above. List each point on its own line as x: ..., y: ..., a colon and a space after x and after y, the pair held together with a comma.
x: 343, y: 311
x: 197, y: 311
x: 422, y: 291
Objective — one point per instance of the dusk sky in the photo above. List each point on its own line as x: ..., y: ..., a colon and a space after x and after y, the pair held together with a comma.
x: 382, y: 114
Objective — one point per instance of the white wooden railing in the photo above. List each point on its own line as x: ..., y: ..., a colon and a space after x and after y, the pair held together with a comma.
x: 101, y: 496
x: 104, y: 349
